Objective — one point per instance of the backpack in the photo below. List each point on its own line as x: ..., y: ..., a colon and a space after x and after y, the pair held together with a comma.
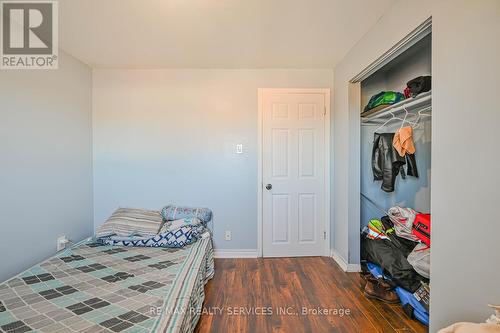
x: 384, y: 98
x: 419, y: 85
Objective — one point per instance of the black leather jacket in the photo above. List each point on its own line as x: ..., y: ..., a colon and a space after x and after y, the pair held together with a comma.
x: 387, y: 163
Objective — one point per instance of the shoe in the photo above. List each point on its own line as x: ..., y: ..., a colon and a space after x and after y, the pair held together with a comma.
x: 364, y: 278
x: 369, y: 277
x: 381, y: 291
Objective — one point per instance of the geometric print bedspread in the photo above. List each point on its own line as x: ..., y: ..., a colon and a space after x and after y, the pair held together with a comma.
x: 92, y: 289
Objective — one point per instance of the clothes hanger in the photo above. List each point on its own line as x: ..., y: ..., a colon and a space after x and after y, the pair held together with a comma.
x: 411, y: 123
x: 393, y: 117
x: 404, y: 119
x: 396, y: 118
x: 420, y: 115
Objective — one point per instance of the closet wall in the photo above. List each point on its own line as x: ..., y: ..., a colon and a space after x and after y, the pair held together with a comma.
x: 410, y: 192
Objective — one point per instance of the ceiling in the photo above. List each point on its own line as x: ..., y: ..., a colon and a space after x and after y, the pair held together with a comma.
x: 214, y: 33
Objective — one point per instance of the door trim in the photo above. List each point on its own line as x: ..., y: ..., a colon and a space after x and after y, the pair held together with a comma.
x: 260, y: 218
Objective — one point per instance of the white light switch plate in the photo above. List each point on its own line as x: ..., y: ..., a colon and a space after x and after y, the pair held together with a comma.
x: 61, y: 242
x: 239, y: 148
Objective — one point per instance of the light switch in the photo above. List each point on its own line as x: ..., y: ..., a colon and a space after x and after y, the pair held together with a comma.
x: 239, y: 148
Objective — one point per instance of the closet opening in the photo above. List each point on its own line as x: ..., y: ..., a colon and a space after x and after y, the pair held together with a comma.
x: 395, y: 178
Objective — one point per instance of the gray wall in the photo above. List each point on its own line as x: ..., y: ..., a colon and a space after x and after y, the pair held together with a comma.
x: 465, y: 252
x: 45, y: 161
x: 169, y: 136
x: 465, y: 247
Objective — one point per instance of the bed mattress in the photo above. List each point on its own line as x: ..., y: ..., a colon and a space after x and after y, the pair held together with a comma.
x: 90, y: 288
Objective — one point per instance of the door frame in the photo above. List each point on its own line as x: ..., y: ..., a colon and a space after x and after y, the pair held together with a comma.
x: 260, y: 149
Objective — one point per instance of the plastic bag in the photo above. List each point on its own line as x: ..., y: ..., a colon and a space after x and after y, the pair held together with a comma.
x: 420, y: 259
x: 403, y: 218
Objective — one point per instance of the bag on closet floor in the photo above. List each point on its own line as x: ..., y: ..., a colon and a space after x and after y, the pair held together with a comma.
x: 422, y: 228
x: 420, y: 259
x: 403, y: 219
x: 391, y: 255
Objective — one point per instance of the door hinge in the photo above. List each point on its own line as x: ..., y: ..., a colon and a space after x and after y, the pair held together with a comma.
x: 324, y: 111
x: 324, y: 234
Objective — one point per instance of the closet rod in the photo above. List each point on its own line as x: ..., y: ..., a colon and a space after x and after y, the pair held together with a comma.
x: 374, y: 204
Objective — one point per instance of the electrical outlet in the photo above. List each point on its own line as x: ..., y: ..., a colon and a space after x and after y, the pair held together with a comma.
x: 227, y: 235
x: 61, y: 242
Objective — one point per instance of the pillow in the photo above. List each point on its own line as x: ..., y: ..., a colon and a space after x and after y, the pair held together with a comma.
x: 171, y: 213
x: 181, y: 237
x: 174, y: 225
x: 128, y: 222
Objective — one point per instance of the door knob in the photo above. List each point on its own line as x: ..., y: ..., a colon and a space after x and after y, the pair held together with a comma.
x: 269, y: 186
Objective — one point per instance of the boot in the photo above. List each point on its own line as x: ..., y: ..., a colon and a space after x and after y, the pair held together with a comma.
x: 364, y: 278
x: 381, y: 291
x: 369, y: 277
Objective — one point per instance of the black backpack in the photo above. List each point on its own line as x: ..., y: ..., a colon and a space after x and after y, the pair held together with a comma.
x: 419, y: 85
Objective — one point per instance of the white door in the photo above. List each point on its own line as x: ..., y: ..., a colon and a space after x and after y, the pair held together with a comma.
x: 293, y: 173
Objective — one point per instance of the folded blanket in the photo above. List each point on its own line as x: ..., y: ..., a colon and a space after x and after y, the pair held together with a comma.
x: 176, y: 224
x: 181, y: 237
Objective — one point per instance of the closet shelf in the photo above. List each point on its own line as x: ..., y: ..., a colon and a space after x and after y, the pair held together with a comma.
x: 412, y: 105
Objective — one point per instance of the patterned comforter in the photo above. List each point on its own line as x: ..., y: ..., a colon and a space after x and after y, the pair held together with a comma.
x: 90, y: 288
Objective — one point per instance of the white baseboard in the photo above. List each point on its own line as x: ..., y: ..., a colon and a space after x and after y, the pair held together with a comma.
x: 343, y: 263
x: 235, y: 253
x: 251, y: 253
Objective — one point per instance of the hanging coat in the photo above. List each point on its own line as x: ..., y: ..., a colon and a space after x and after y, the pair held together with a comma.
x: 387, y: 163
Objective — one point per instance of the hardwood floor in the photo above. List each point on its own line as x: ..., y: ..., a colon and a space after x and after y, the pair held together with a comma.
x: 268, y: 295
